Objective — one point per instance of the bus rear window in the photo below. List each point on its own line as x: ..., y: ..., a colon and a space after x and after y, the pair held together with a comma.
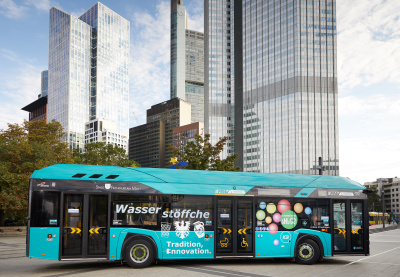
x: 45, y: 210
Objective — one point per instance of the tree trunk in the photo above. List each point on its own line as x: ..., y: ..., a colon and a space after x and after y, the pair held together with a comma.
x: 2, y: 217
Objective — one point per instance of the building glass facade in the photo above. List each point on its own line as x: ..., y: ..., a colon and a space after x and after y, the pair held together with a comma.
x: 44, y: 83
x: 88, y: 70
x: 219, y: 82
x: 287, y: 96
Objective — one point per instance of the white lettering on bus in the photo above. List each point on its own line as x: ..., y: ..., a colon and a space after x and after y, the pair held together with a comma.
x: 166, y: 214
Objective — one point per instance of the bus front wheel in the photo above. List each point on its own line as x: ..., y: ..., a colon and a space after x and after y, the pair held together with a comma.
x: 307, y: 252
x: 139, y: 254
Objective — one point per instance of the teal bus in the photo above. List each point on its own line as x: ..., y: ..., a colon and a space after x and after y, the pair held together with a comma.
x: 140, y: 215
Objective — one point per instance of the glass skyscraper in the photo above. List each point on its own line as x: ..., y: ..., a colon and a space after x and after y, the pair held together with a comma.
x: 285, y: 82
x: 187, y: 62
x: 88, y: 71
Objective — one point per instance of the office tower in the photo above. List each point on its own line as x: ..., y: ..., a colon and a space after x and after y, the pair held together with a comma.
x: 219, y: 113
x: 149, y: 143
x: 187, y: 62
x: 88, y: 71
x: 44, y: 82
x: 285, y: 80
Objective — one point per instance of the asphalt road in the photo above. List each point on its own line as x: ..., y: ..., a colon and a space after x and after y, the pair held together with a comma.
x: 383, y: 261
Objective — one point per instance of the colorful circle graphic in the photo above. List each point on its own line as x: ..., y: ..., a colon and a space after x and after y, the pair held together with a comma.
x: 283, y: 206
x: 276, y: 242
x: 260, y: 215
x: 262, y: 205
x: 307, y: 210
x: 298, y: 208
x: 271, y: 208
x: 273, y: 228
x: 289, y: 219
x: 268, y: 219
x: 277, y: 217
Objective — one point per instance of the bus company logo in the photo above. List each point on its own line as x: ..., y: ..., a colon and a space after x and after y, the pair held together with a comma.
x: 182, y: 229
x: 107, y: 186
x: 43, y: 185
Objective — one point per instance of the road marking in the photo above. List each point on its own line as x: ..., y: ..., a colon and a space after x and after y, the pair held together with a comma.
x: 379, y: 263
x: 219, y: 272
x: 385, y: 241
x: 358, y: 261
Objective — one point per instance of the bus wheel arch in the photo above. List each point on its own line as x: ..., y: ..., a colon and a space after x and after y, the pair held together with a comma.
x: 308, y: 249
x: 139, y: 251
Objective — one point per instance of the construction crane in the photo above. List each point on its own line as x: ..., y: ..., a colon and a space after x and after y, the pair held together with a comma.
x: 137, y: 120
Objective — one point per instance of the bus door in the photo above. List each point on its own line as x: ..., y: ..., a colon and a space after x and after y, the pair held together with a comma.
x: 234, y: 228
x: 350, y: 227
x: 84, y: 228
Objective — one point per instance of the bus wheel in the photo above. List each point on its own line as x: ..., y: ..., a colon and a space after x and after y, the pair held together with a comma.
x: 139, y: 254
x: 307, y: 252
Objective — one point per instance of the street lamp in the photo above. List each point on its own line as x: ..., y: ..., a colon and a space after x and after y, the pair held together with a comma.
x: 383, y: 206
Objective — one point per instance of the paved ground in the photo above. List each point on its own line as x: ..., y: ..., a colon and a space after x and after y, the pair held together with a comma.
x: 383, y: 261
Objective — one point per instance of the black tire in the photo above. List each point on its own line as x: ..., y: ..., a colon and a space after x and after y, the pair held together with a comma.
x: 139, y: 253
x: 307, y: 252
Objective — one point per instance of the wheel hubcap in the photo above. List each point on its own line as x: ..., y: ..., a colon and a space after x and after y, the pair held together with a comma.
x: 306, y: 252
x: 139, y: 253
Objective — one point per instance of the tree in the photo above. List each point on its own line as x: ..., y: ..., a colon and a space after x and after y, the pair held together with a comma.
x: 23, y: 149
x: 374, y: 200
x: 99, y: 153
x: 202, y: 155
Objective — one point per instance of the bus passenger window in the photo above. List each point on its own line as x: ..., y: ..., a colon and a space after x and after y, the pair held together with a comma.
x: 45, y: 210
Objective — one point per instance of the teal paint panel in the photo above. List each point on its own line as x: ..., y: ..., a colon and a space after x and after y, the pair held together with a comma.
x: 194, y: 246
x: 273, y: 245
x: 42, y: 247
x: 325, y: 238
x: 305, y: 192
x: 117, y: 237
x: 195, y: 177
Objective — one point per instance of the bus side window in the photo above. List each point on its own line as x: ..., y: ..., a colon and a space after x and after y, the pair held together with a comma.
x: 45, y: 210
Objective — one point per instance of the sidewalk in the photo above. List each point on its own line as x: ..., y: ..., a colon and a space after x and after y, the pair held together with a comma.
x: 379, y: 228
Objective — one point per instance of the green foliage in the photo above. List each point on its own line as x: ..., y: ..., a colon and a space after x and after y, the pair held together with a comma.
x: 202, y: 155
x: 374, y: 201
x: 25, y: 148
x: 99, y: 153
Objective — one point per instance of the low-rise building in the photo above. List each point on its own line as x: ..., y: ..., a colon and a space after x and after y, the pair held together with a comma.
x: 391, y: 188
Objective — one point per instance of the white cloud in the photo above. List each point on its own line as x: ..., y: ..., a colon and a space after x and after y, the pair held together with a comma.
x: 12, y: 10
x: 41, y: 5
x: 150, y: 60
x: 368, y: 41
x: 369, y: 86
x: 19, y: 87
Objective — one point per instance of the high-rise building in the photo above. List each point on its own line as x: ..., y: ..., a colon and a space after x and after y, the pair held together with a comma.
x: 281, y: 83
x: 88, y: 71
x: 187, y: 62
x: 149, y: 143
x: 182, y: 135
x: 38, y: 108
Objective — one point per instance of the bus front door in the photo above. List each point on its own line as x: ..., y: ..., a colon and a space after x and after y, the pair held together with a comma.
x: 84, y: 226
x: 234, y: 228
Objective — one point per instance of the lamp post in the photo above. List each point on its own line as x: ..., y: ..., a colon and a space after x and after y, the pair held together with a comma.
x: 383, y: 206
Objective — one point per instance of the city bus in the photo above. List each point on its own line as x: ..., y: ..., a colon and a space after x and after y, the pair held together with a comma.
x: 141, y: 215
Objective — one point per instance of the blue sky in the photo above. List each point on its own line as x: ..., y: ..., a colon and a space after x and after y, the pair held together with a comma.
x: 368, y: 69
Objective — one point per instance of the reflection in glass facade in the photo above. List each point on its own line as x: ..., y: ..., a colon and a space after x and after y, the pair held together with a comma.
x: 88, y: 71
x: 44, y: 82
x: 287, y: 96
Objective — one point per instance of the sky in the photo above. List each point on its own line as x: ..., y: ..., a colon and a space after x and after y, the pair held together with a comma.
x: 368, y: 69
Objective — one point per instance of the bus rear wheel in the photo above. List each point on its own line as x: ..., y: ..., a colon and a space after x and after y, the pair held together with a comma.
x: 139, y: 254
x: 307, y: 252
